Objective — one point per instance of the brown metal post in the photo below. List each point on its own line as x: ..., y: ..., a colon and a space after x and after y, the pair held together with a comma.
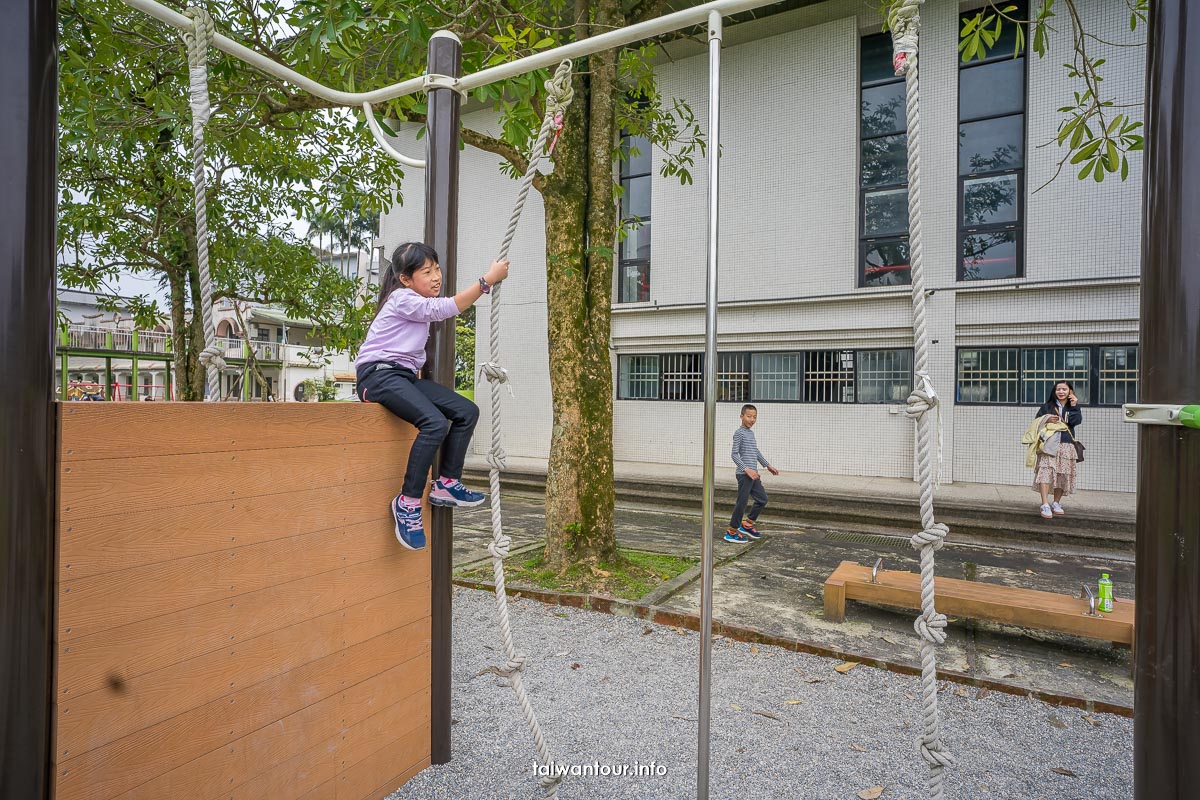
x: 28, y: 189
x: 441, y: 232
x: 1167, y: 682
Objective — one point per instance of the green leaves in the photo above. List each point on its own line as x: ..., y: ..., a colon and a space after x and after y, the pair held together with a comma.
x: 1099, y: 145
x: 980, y: 32
x: 271, y: 154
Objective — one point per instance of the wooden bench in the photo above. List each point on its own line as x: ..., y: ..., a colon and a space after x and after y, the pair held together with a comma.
x: 1010, y: 605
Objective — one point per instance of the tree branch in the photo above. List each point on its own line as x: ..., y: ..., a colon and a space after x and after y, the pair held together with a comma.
x: 491, y: 144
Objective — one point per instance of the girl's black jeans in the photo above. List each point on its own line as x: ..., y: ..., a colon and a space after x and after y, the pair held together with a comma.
x: 443, y: 418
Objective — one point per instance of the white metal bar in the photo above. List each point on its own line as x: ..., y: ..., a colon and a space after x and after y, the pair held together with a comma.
x: 710, y: 398
x: 548, y: 58
x: 382, y: 141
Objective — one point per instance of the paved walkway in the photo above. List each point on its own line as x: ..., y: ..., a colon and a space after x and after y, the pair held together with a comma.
x: 1122, y: 505
x: 775, y: 585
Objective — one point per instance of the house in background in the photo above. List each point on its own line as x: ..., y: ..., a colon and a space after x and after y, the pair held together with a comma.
x: 102, y: 355
x: 1030, y: 280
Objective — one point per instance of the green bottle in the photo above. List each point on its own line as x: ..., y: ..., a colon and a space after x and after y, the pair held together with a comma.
x: 1106, y: 595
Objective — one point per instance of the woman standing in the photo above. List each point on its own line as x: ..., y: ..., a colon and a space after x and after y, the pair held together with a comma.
x: 1055, y: 471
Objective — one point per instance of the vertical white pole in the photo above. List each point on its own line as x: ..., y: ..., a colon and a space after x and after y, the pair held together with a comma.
x: 710, y: 397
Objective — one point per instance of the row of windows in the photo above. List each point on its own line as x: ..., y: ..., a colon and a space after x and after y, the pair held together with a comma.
x: 1102, y: 375
x: 807, y: 376
x: 991, y: 163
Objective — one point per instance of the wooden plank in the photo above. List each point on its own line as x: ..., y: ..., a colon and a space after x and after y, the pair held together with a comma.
x: 102, y: 430
x: 97, y: 718
x: 835, y: 598
x: 395, y: 783
x: 1027, y: 608
x: 137, y: 537
x: 322, y: 763
x: 216, y: 773
x: 100, y: 602
x: 326, y: 791
x: 383, y: 768
x: 129, y: 762
x: 117, y: 655
x: 380, y: 729
x: 111, y: 486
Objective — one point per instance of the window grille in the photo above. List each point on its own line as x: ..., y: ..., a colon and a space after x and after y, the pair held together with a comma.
x: 1118, y: 375
x: 776, y: 376
x: 682, y: 376
x: 829, y: 376
x: 733, y: 377
x: 1042, y: 367
x: 988, y: 376
x: 884, y: 376
x: 638, y: 378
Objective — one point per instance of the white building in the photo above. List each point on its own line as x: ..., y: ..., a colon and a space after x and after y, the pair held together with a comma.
x: 815, y: 323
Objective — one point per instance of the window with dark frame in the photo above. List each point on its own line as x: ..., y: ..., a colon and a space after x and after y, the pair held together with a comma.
x: 884, y: 376
x: 682, y: 376
x: 883, y: 168
x: 633, y: 262
x: 806, y: 376
x: 1101, y: 375
x: 991, y: 157
x: 733, y: 377
x: 638, y: 378
x: 1118, y: 373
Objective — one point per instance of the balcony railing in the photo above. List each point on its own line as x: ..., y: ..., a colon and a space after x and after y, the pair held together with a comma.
x: 90, y: 337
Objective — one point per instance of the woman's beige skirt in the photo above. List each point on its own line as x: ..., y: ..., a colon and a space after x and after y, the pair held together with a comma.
x: 1057, y: 470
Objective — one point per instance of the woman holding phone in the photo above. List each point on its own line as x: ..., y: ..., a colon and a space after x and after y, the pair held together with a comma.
x: 1054, y: 473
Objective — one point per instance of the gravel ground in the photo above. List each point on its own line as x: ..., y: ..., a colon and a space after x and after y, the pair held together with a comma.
x: 632, y: 699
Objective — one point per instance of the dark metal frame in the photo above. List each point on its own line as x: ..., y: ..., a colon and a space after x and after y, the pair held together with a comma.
x: 750, y: 376
x: 1093, y: 372
x: 443, y: 120
x: 28, y: 419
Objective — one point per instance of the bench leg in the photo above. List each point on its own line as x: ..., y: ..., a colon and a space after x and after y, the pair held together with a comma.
x: 835, y: 600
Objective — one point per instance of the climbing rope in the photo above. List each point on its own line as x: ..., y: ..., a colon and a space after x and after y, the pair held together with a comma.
x: 197, y: 46
x: 558, y: 96
x: 904, y: 21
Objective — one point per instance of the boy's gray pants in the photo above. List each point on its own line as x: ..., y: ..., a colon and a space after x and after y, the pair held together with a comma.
x: 746, y: 489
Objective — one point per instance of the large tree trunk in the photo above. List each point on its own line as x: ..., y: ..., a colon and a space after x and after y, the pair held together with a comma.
x: 197, y: 373
x: 580, y: 234
x: 179, y: 336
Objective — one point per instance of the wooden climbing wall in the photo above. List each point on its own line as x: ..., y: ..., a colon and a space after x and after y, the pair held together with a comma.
x: 235, y: 619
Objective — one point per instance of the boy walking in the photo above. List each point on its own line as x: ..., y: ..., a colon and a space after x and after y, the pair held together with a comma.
x: 747, y: 457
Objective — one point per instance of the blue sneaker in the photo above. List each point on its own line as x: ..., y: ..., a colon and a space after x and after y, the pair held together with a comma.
x: 410, y: 530
x: 734, y: 536
x: 450, y: 492
x: 749, y: 532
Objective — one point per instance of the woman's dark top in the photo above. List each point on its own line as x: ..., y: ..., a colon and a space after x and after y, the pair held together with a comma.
x: 1071, y: 415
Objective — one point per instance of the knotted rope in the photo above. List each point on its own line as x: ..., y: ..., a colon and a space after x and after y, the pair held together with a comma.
x: 558, y: 96
x: 197, y: 46
x: 904, y: 21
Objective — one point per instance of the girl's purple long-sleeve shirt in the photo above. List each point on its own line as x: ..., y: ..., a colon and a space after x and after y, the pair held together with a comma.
x: 401, y: 328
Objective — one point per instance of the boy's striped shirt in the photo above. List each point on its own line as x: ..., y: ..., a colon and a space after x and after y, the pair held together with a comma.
x: 745, y: 450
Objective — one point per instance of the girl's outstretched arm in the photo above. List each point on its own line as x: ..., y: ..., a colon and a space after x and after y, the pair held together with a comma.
x: 470, y: 295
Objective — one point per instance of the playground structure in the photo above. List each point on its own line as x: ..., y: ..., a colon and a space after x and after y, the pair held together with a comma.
x: 222, y: 633
x: 57, y: 462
